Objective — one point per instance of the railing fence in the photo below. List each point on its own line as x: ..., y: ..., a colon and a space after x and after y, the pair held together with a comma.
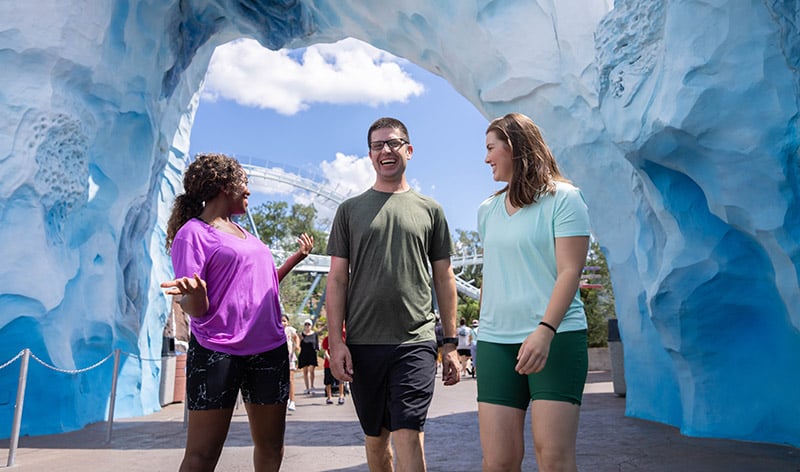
x: 26, y: 355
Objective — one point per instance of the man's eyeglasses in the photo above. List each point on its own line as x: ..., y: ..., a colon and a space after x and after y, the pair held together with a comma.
x: 394, y: 144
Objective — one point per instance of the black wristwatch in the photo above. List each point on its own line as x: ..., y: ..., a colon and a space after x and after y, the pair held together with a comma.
x: 453, y: 341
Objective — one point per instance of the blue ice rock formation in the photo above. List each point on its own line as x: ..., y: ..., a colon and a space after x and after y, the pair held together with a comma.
x: 678, y: 119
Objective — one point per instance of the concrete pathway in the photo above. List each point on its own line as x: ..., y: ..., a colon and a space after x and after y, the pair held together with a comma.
x: 322, y: 437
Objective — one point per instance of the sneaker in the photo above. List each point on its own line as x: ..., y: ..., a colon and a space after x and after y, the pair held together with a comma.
x: 291, y: 406
x: 341, y: 400
x: 329, y: 401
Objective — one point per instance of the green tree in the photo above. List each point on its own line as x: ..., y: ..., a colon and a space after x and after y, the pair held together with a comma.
x: 469, y: 241
x: 468, y: 244
x: 278, y: 225
x: 598, y: 302
x: 468, y: 309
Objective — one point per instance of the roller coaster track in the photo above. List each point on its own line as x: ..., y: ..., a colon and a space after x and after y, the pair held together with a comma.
x: 258, y: 176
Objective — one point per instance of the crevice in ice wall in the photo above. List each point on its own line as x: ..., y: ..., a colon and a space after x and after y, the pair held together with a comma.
x: 710, y: 130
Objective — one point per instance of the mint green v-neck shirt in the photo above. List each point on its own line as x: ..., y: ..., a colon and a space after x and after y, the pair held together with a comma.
x: 519, y: 262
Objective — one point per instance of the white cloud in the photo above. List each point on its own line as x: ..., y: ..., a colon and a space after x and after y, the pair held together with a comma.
x: 345, y: 175
x: 345, y: 72
x: 348, y: 175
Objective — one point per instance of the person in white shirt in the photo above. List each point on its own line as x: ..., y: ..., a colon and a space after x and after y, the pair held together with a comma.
x: 293, y: 343
x: 463, y: 347
x: 473, y: 347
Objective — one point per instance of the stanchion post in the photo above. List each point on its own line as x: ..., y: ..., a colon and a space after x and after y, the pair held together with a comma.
x: 113, y: 397
x: 15, y: 427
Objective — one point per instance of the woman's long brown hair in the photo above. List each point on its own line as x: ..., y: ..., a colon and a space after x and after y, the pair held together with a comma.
x: 535, y: 170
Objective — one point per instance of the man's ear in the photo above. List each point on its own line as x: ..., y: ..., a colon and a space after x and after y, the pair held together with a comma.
x: 409, y: 151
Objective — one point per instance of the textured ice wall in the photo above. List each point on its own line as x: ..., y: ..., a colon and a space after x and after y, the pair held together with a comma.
x: 678, y: 120
x: 701, y: 100
x: 77, y: 142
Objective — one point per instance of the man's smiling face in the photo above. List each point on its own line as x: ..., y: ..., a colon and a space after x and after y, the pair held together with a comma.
x: 389, y: 164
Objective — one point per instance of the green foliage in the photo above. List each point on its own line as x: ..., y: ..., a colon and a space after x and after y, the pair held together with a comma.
x: 279, y: 225
x: 598, y: 302
x: 294, y: 288
x: 468, y: 241
x: 468, y: 308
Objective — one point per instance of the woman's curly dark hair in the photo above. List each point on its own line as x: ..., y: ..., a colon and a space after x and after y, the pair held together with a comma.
x: 535, y: 170
x: 207, y: 176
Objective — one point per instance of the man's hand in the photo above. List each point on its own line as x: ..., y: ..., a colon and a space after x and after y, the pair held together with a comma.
x: 451, y: 366
x: 341, y: 362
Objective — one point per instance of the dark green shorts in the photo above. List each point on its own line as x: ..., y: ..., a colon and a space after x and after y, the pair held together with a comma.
x: 562, y: 378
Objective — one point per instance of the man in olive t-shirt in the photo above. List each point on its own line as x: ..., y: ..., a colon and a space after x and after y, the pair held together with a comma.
x: 384, y: 246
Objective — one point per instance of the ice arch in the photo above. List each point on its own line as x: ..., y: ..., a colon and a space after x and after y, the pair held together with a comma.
x: 678, y: 119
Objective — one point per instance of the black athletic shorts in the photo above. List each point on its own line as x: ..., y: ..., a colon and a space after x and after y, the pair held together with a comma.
x: 392, y: 385
x: 213, y: 379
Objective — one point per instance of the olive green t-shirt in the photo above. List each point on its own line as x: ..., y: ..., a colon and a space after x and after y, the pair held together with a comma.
x: 390, y: 240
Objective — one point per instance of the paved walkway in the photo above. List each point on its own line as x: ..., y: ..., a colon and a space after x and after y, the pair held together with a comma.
x: 322, y: 437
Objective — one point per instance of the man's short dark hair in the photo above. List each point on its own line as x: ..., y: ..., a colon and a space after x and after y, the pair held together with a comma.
x: 387, y: 122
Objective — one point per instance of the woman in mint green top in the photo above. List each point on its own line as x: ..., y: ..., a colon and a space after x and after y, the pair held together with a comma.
x: 535, y: 235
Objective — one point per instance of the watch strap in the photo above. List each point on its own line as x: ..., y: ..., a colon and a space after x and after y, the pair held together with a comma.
x: 453, y: 341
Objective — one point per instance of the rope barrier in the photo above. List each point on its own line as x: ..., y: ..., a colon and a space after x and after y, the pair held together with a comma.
x: 77, y: 371
x: 26, y: 354
x: 71, y: 371
x: 11, y: 361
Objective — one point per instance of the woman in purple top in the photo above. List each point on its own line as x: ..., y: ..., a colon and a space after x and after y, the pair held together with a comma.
x: 228, y: 284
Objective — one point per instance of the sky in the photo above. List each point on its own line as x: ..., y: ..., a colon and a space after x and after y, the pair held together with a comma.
x: 308, y: 111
